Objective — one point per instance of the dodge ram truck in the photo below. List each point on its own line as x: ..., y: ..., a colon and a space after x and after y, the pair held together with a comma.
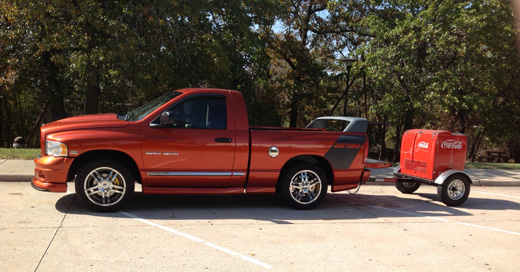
x: 198, y: 141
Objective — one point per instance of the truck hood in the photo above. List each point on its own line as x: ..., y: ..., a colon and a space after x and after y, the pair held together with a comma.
x: 85, y: 122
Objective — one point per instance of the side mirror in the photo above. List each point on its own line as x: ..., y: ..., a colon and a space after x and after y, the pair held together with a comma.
x: 167, y: 119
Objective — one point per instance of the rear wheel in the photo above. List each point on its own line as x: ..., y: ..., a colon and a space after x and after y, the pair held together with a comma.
x: 407, y: 187
x: 455, y: 190
x: 303, y: 187
x: 104, y: 186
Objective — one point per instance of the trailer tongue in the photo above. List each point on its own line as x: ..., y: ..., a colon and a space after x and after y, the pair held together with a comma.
x: 433, y: 157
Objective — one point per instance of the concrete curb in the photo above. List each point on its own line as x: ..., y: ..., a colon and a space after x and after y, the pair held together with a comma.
x: 491, y: 183
x: 16, y: 170
x: 16, y: 177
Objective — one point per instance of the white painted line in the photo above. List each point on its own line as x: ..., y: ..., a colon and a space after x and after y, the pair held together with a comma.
x: 516, y: 197
x: 180, y: 233
x: 249, y: 259
x: 488, y: 228
x: 414, y: 214
x: 448, y: 221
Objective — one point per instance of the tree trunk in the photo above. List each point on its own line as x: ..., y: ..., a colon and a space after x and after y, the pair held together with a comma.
x: 516, y: 156
x: 2, y: 128
x: 7, y: 132
x: 36, y: 125
x: 514, y: 149
x: 383, y: 154
x: 397, y: 145
x: 57, y: 106
x: 474, y: 147
x: 479, y: 140
x: 54, y: 92
x: 93, y: 92
x: 408, y: 119
x: 293, y: 114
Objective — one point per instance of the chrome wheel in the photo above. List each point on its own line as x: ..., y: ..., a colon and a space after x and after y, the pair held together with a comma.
x: 305, y: 187
x: 456, y: 189
x: 105, y: 186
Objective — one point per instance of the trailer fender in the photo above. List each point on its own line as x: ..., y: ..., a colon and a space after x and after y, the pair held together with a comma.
x: 442, y: 177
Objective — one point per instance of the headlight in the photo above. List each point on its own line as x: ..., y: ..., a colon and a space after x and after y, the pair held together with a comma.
x: 57, y: 149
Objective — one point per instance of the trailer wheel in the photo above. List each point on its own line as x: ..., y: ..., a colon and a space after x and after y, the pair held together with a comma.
x: 104, y: 186
x: 303, y: 187
x: 407, y: 187
x: 455, y: 190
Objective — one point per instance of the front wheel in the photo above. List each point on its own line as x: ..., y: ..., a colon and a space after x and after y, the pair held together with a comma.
x: 104, y: 186
x: 303, y: 187
x: 455, y: 190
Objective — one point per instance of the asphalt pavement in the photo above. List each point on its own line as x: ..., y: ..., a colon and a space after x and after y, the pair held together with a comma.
x: 23, y: 170
x: 378, y: 229
x: 54, y: 232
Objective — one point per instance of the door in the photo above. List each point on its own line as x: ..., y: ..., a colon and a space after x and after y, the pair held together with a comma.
x: 196, y: 150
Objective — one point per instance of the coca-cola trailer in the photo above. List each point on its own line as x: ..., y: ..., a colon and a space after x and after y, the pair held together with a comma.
x: 433, y: 157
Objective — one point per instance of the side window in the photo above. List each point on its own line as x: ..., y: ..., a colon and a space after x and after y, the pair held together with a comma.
x: 201, y: 113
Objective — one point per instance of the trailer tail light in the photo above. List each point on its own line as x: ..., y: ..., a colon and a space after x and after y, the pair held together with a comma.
x: 428, y: 153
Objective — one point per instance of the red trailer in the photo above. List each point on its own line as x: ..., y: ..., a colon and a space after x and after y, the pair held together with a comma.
x: 434, y: 157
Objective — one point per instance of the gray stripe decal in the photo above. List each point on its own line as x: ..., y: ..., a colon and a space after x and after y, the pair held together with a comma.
x: 344, y: 151
x: 196, y: 174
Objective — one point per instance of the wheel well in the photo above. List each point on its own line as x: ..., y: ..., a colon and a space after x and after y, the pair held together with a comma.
x: 315, y: 160
x: 117, y: 156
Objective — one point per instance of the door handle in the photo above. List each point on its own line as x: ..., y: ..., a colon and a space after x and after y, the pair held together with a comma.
x: 223, y: 140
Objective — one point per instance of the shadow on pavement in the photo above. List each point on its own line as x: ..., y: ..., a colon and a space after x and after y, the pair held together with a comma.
x: 268, y: 208
x: 475, y: 203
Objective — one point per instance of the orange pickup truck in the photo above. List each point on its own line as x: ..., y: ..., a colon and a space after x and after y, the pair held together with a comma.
x: 198, y: 141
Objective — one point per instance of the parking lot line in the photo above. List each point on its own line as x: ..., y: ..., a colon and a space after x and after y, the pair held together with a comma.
x: 448, y: 221
x: 191, y: 237
x: 509, y: 196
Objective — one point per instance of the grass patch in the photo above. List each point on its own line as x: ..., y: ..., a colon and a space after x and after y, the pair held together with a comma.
x: 19, y: 154
x: 492, y: 165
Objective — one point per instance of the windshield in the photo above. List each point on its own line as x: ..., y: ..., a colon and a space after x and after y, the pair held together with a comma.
x: 145, y: 109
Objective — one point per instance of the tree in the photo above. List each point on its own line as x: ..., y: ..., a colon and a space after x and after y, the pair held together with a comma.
x: 310, y: 36
x: 432, y: 63
x: 81, y: 57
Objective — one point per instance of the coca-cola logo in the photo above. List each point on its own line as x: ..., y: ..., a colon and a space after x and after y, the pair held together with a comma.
x: 423, y: 145
x: 451, y: 144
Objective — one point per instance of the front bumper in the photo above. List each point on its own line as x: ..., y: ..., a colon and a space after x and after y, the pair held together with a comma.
x: 50, y: 173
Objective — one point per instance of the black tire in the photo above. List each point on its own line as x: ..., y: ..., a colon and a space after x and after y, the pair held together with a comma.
x: 407, y: 187
x: 455, y: 190
x: 303, y: 186
x: 104, y: 185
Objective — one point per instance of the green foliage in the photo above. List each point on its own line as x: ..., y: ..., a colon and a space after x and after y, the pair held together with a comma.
x: 93, y: 56
x: 436, y: 64
x: 429, y: 64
